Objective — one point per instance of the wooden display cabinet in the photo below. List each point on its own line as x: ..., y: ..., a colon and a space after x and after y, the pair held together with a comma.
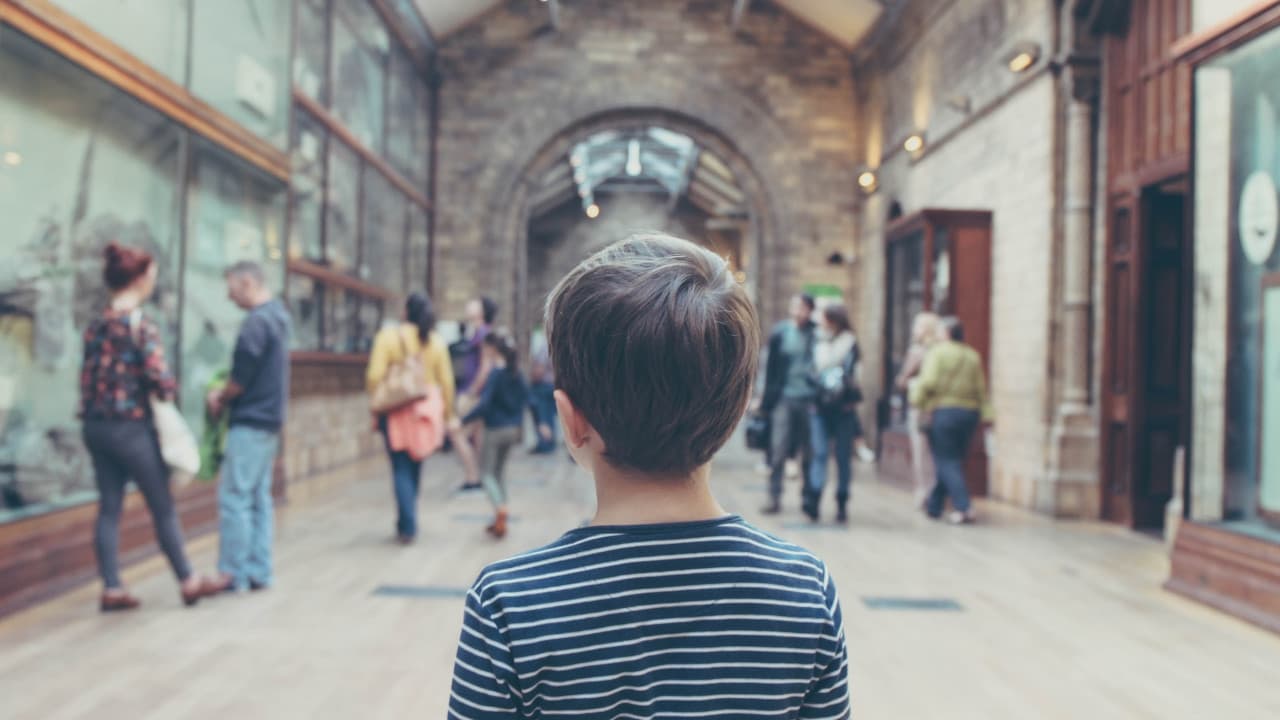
x: 936, y: 260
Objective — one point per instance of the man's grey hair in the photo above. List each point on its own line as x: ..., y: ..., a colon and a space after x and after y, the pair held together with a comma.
x: 249, y: 269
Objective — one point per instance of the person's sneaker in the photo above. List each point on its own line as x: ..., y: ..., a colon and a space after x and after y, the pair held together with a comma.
x: 772, y: 508
x: 866, y: 455
x: 469, y: 487
x: 955, y: 517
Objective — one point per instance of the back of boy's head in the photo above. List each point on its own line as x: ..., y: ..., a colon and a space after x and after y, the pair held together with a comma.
x: 656, y: 343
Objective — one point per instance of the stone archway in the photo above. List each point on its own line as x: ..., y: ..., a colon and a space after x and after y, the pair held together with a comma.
x: 511, y: 209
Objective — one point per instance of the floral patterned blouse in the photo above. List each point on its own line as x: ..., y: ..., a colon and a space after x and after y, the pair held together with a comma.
x: 123, y: 368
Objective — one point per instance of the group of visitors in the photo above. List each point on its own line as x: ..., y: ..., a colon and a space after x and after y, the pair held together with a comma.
x: 416, y: 401
x: 811, y: 395
x: 124, y: 383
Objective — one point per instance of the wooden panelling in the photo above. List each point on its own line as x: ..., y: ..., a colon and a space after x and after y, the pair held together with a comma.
x: 1245, y: 25
x: 56, y: 28
x: 1149, y: 93
x: 1235, y: 573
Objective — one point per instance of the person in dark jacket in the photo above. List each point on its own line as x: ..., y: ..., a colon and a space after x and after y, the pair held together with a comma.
x: 501, y: 405
x: 789, y: 395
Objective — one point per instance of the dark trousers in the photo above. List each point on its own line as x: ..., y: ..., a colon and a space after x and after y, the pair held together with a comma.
x: 124, y: 450
x: 949, y: 439
x: 542, y: 403
x: 830, y: 428
x: 789, y: 432
x: 406, y: 475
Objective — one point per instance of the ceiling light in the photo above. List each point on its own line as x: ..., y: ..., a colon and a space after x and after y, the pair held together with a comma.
x: 12, y: 158
x: 868, y: 181
x: 914, y: 144
x: 593, y: 211
x: 1023, y: 57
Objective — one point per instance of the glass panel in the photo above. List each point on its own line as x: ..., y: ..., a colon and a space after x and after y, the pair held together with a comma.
x: 402, y: 117
x: 80, y: 165
x: 309, y: 145
x: 383, y: 239
x: 342, y: 208
x: 240, y: 62
x: 306, y: 305
x: 341, y: 307
x: 941, y: 290
x: 368, y: 321
x: 417, y: 267
x: 359, y: 78
x: 309, y: 74
x: 1242, y: 196
x: 906, y: 300
x: 153, y: 30
x: 233, y: 215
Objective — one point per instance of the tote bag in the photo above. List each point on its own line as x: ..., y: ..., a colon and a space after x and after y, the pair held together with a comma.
x: 404, y: 383
x: 178, y: 444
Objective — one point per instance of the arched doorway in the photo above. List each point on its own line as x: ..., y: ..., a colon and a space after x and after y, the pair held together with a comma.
x: 628, y: 170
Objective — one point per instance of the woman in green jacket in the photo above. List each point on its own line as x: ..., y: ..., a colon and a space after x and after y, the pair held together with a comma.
x: 952, y: 391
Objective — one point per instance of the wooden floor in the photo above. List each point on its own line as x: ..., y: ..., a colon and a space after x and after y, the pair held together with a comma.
x: 1055, y: 620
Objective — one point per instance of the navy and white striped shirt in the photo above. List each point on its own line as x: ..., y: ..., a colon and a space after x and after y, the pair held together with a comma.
x: 683, y: 620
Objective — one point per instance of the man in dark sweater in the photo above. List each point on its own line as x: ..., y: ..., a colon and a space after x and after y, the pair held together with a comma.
x: 256, y: 396
x: 789, y: 395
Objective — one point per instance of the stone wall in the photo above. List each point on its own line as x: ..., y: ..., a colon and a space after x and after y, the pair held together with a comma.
x: 776, y: 94
x: 991, y: 146
x: 329, y: 423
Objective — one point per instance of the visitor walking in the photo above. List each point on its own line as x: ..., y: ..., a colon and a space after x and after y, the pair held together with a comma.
x: 834, y: 419
x: 951, y: 395
x: 256, y: 397
x: 501, y: 408
x: 467, y: 439
x: 926, y: 330
x: 542, y: 402
x: 788, y: 397
x: 124, y: 370
x: 414, y: 430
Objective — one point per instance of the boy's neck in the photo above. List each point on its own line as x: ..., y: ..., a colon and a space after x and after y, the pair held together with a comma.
x: 626, y: 498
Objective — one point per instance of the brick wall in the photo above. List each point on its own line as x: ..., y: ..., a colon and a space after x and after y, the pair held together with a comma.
x: 777, y: 95
x: 997, y: 155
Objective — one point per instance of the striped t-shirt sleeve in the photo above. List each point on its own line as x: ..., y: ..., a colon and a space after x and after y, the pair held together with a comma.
x: 828, y: 696
x: 483, y: 674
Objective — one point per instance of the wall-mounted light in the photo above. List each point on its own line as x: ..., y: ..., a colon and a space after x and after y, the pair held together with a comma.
x: 12, y: 158
x: 868, y: 182
x: 593, y: 211
x: 1022, y: 57
x: 914, y: 144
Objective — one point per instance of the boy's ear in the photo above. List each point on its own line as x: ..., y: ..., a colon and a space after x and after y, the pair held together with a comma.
x: 577, y: 430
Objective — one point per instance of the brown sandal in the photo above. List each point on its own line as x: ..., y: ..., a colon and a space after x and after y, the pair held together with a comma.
x: 206, y: 588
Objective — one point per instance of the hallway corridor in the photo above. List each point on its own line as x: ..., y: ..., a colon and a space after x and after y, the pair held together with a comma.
x: 1016, y: 617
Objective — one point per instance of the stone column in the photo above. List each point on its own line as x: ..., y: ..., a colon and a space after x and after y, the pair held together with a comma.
x: 1071, y: 485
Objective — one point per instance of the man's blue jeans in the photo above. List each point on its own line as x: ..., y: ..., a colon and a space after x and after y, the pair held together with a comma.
x: 246, y: 519
x: 949, y: 439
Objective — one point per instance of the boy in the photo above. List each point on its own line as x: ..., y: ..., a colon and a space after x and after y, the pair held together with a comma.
x: 666, y: 605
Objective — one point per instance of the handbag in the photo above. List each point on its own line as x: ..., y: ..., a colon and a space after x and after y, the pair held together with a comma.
x: 758, y: 432
x: 405, y: 382
x: 178, y: 444
x: 838, y: 386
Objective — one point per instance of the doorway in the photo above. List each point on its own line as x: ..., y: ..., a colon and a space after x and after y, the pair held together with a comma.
x: 1147, y: 371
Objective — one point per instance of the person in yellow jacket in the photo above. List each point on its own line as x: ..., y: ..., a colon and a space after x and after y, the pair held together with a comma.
x: 415, y: 335
x: 952, y: 391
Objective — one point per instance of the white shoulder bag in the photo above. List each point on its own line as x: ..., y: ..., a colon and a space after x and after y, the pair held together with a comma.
x: 178, y: 444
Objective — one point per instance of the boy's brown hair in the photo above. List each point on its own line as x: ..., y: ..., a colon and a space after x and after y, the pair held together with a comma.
x: 656, y: 343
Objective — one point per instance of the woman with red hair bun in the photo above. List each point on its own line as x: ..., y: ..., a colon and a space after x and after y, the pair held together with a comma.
x: 124, y: 367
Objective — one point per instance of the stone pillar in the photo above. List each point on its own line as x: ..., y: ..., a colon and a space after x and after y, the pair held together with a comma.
x: 1070, y: 488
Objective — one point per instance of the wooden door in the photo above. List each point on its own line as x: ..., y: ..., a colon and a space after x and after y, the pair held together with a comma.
x: 1146, y: 399
x: 971, y: 286
x: 1119, y: 397
x: 1166, y: 347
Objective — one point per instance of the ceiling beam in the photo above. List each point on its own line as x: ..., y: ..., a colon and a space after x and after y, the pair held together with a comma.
x: 739, y: 11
